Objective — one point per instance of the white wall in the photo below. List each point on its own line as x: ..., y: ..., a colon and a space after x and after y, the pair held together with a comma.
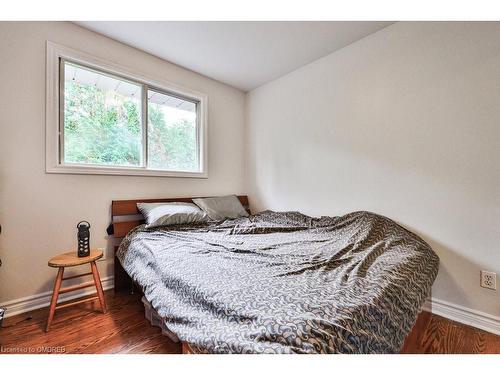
x: 39, y: 211
x: 405, y: 123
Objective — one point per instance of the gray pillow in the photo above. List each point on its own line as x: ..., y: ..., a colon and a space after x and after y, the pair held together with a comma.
x: 159, y: 214
x: 221, y: 208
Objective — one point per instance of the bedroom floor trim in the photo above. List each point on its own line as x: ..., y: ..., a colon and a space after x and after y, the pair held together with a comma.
x: 36, y: 301
x: 486, y: 322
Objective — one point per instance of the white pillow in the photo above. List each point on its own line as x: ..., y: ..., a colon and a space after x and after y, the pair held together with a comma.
x: 220, y: 208
x: 160, y: 214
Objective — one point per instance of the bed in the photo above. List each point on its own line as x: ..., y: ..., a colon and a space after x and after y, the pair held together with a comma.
x: 280, y: 282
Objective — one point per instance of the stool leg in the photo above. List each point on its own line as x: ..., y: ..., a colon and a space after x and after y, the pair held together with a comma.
x: 98, y: 286
x: 55, y: 295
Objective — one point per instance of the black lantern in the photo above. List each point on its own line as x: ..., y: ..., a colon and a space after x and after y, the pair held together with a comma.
x: 83, y: 238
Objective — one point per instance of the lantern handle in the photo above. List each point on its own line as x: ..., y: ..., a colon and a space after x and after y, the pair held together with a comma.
x: 83, y: 221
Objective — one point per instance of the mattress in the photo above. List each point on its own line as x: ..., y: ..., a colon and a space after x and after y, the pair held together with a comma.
x: 284, y: 282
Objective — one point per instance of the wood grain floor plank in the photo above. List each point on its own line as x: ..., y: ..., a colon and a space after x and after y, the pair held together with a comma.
x: 443, y: 336
x: 412, y: 342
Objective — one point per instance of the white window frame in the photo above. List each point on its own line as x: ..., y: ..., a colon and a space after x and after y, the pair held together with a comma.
x: 54, y: 143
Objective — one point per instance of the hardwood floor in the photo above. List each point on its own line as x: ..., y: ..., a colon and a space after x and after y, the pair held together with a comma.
x: 444, y: 336
x: 82, y: 329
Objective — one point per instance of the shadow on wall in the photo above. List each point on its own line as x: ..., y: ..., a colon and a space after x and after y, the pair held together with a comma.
x: 447, y: 282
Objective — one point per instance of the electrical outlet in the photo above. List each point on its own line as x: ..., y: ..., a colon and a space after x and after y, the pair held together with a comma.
x: 489, y: 280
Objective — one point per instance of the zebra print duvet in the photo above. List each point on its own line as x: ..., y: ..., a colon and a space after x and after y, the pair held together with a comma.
x: 284, y: 282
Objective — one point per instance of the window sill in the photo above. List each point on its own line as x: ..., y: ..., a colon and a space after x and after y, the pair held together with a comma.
x: 122, y: 171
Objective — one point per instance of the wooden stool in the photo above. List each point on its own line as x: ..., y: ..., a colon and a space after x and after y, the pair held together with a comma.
x: 71, y: 259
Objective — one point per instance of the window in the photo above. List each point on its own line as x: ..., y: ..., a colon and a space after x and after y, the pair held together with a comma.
x: 102, y: 119
x: 171, y: 132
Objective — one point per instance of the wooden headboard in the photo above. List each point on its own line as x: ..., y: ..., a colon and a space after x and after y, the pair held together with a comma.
x: 125, y: 216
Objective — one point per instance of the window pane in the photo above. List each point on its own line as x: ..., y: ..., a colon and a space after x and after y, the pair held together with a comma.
x: 102, y: 118
x: 172, y: 133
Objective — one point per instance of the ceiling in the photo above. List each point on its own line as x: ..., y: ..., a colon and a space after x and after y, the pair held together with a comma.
x: 244, y: 55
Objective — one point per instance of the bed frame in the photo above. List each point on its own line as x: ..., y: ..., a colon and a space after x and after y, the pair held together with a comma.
x: 124, y: 217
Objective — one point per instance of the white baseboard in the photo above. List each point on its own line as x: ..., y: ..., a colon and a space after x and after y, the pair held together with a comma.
x: 464, y: 315
x: 36, y: 301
